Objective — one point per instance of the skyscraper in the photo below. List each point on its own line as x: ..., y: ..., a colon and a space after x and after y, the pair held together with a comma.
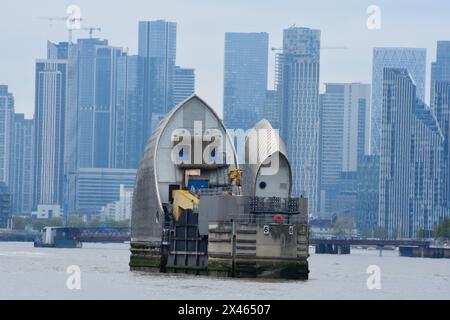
x: 6, y: 133
x: 411, y: 198
x: 58, y: 50
x: 23, y: 165
x: 184, y: 84
x: 5, y: 206
x: 298, y: 84
x: 106, y: 119
x: 368, y: 188
x: 157, y: 49
x: 440, y: 69
x: 412, y: 59
x: 440, y: 100
x: 127, y: 138
x: 80, y: 115
x: 344, y: 135
x: 245, y: 78
x: 50, y: 108
x: 441, y: 106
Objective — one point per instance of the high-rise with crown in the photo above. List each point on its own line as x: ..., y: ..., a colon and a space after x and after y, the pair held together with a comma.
x: 298, y: 85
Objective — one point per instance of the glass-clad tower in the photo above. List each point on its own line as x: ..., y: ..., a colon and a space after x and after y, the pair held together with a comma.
x: 6, y: 133
x: 411, y: 59
x: 245, y: 78
x: 298, y: 85
x: 157, y: 49
x: 50, y: 108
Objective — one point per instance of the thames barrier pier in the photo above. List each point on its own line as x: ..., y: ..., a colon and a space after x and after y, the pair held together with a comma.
x: 197, y: 210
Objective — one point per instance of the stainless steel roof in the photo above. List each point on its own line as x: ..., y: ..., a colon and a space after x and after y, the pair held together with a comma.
x: 263, y: 141
x: 147, y: 210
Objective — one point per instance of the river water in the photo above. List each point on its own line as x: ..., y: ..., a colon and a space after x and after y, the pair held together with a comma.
x: 37, y: 273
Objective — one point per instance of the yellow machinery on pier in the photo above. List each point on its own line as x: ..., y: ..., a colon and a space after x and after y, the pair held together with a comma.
x: 183, y: 200
x: 235, y: 175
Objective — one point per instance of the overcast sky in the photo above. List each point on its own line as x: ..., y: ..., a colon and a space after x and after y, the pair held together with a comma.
x: 201, y: 28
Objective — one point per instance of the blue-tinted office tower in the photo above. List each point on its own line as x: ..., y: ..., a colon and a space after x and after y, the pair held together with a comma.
x: 157, y: 49
x: 81, y: 103
x: 440, y: 102
x: 5, y: 206
x: 184, y: 84
x: 441, y: 107
x: 245, y: 78
x: 411, y: 59
x: 106, y: 117
x: 50, y: 108
x: 126, y: 123
x: 23, y: 165
x: 298, y: 93
x: 440, y: 80
x: 440, y: 69
x: 344, y: 136
x: 6, y: 133
x: 411, y: 186
x: 108, y: 133
x: 367, y: 192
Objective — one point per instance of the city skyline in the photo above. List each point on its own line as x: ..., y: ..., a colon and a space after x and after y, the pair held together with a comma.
x: 225, y: 150
x: 338, y: 66
x: 97, y: 105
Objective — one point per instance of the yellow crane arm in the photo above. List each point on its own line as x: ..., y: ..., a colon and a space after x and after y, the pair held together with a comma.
x: 183, y: 200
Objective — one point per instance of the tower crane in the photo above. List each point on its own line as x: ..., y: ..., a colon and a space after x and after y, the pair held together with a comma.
x: 71, y: 22
x: 91, y: 30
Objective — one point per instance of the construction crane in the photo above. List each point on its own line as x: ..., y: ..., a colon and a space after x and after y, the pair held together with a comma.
x: 91, y: 30
x: 72, y: 23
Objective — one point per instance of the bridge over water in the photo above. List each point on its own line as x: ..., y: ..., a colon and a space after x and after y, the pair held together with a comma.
x: 100, y: 234
x: 342, y: 246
